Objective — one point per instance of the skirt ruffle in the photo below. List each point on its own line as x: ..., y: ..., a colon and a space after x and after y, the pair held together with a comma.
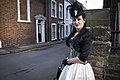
x: 77, y: 72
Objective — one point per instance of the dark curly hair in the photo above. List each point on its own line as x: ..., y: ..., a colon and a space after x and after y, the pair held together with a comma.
x: 78, y: 7
x: 80, y: 11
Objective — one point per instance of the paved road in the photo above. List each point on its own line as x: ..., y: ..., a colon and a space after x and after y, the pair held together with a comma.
x: 36, y: 64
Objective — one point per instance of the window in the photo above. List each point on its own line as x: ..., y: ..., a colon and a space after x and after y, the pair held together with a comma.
x: 53, y: 8
x: 60, y: 11
x: 71, y: 28
x: 23, y: 10
x: 53, y: 31
x: 67, y: 13
x: 66, y: 30
x: 61, y: 31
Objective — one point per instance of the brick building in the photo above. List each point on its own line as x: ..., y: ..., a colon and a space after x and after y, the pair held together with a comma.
x: 25, y: 22
x: 55, y: 17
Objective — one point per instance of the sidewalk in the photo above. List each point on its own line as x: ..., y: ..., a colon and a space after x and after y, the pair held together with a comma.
x: 4, y: 51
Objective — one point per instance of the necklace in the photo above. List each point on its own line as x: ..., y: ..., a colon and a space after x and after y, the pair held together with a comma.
x: 75, y: 35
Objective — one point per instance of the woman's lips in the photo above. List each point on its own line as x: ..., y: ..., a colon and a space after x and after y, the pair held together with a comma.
x: 76, y: 25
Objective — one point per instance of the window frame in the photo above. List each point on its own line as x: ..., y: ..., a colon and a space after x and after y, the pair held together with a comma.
x: 66, y: 30
x: 52, y: 8
x: 60, y: 16
x: 55, y: 32
x: 28, y: 12
x: 67, y: 13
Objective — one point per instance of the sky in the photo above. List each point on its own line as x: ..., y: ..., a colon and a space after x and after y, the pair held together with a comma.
x: 92, y: 4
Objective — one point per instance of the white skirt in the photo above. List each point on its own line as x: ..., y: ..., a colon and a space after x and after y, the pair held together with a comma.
x: 77, y: 72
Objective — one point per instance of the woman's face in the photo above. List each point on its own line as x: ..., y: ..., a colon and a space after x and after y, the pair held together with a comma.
x: 78, y: 22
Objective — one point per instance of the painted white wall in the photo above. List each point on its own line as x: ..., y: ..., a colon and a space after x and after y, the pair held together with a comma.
x: 66, y: 21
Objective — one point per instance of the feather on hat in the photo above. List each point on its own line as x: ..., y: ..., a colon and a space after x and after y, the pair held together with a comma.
x: 76, y: 9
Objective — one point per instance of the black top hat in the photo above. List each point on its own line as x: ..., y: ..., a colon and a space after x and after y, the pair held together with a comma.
x: 76, y: 9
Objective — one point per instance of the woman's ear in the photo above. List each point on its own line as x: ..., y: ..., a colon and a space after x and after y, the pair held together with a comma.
x: 84, y: 20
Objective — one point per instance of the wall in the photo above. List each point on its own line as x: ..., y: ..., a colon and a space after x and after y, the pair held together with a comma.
x: 105, y: 62
x: 98, y: 21
x: 119, y: 21
x: 100, y: 51
x: 67, y: 20
x: 55, y: 19
x: 13, y: 33
x: 98, y: 17
x: 112, y: 69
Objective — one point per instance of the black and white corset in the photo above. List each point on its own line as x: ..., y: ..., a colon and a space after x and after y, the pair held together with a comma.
x: 73, y: 52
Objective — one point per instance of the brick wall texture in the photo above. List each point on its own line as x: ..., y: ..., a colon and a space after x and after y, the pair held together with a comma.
x: 13, y: 33
x: 98, y: 58
x: 100, y: 51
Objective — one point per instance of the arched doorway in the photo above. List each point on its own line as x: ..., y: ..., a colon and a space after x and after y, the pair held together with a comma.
x: 40, y: 28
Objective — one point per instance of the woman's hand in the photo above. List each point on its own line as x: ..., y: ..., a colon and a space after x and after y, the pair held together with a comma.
x: 65, y: 62
x: 74, y: 60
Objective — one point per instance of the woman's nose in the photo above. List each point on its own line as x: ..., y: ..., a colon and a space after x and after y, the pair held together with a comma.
x: 76, y: 21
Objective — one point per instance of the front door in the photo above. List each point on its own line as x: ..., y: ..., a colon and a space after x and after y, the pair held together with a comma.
x: 61, y: 31
x: 40, y: 31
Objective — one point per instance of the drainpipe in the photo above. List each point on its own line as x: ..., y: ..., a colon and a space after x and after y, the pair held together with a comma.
x: 47, y: 30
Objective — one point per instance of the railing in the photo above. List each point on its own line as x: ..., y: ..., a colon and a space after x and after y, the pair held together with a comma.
x: 115, y: 46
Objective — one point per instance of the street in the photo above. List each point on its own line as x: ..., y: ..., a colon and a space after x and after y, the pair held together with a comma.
x: 36, y: 64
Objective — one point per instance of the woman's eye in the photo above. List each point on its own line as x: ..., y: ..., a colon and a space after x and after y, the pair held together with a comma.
x: 79, y: 19
x: 74, y: 19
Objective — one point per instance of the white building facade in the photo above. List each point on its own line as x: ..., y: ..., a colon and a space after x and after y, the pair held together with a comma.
x: 67, y: 19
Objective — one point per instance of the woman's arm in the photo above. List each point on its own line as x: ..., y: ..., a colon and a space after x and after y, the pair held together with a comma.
x: 85, y: 47
x: 74, y: 60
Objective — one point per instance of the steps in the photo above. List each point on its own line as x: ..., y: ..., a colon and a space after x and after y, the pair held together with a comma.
x: 112, y: 70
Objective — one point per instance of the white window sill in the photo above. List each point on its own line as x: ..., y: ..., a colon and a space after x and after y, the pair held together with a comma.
x: 25, y: 21
x: 60, y: 17
x: 54, y: 16
x: 54, y: 39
